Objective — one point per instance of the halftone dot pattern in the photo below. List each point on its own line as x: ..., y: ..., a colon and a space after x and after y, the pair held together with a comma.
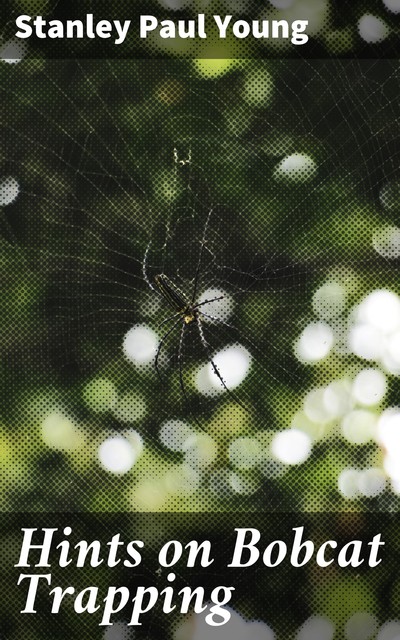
x: 9, y: 189
x: 201, y: 310
x: 176, y: 295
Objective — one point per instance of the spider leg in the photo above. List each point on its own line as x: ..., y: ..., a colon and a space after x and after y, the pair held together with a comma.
x: 208, y: 301
x: 169, y: 318
x: 144, y: 268
x: 160, y: 344
x: 214, y: 366
x: 180, y: 350
x: 254, y: 347
x: 210, y: 317
x: 181, y: 381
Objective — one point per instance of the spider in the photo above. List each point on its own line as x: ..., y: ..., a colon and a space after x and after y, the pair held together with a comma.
x: 188, y: 312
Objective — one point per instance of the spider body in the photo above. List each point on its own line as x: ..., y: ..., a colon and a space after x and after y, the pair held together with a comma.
x: 176, y: 298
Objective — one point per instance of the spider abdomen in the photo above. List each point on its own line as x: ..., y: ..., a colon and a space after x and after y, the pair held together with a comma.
x: 174, y: 296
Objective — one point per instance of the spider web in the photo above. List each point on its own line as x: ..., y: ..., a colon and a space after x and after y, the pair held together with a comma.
x: 99, y: 184
x: 107, y: 193
x: 116, y: 157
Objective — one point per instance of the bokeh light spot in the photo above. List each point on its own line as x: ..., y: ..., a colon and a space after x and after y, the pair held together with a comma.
x: 291, y: 446
x: 392, y: 5
x: 220, y: 309
x: 359, y: 426
x: 372, y: 29
x: 361, y: 626
x: 389, y: 631
x: 316, y: 628
x: 100, y: 395
x: 315, y: 342
x: 369, y: 387
x: 60, y: 433
x: 386, y: 242
x: 140, y: 345
x: 174, y: 433
x: 9, y: 190
x: 329, y: 301
x: 13, y: 51
x: 233, y: 364
x: 117, y: 455
x: 296, y: 168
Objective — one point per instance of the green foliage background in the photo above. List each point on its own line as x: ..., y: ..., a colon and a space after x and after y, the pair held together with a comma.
x: 91, y: 145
